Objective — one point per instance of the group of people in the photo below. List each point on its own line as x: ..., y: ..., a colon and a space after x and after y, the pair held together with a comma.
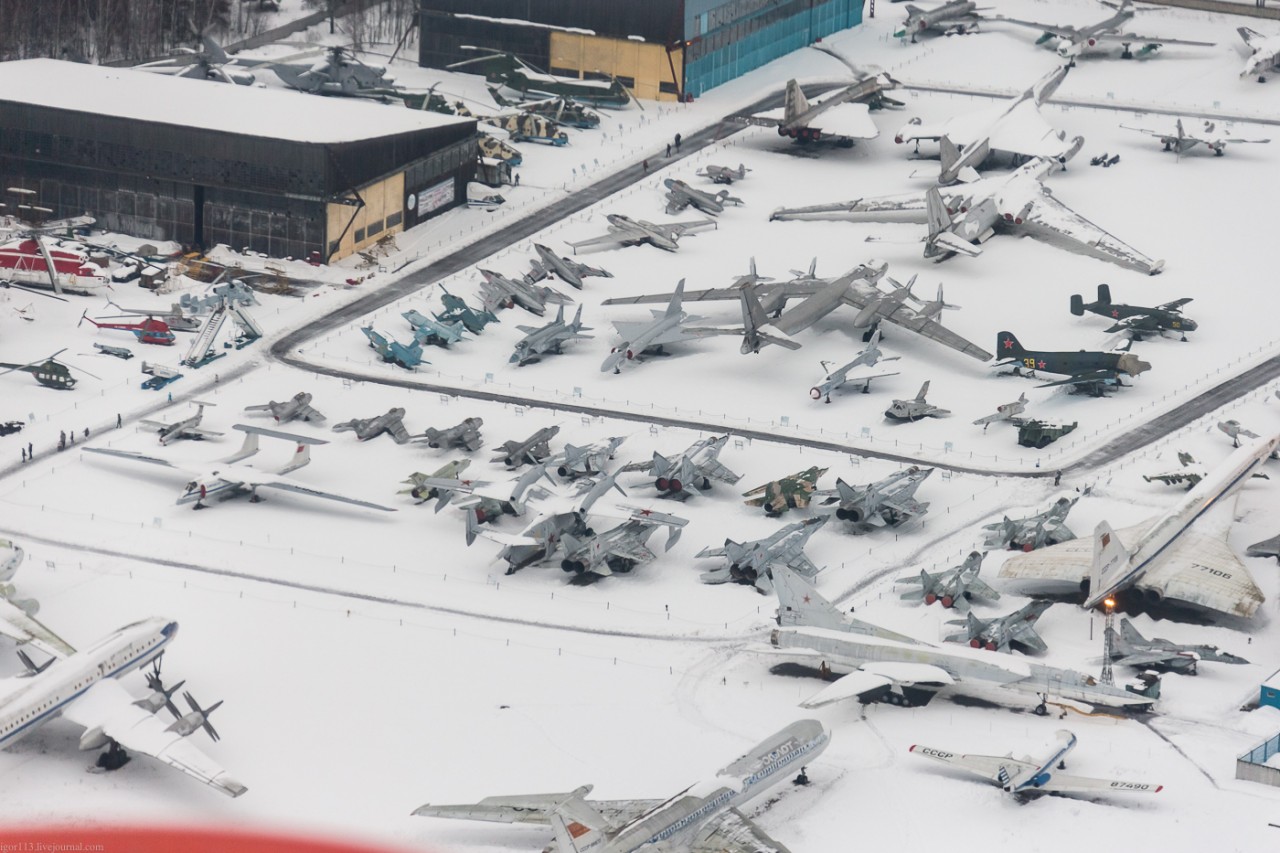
x: 65, y: 440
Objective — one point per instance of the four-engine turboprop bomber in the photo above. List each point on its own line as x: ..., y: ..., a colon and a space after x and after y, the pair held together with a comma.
x: 703, y: 818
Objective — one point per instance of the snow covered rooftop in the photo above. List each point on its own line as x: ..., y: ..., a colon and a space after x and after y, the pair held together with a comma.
x: 249, y: 110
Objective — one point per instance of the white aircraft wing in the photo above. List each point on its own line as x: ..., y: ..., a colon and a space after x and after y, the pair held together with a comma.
x: 536, y: 808
x: 1025, y: 131
x: 733, y: 832
x: 17, y: 625
x: 907, y: 318
x: 615, y: 237
x: 134, y: 456
x: 713, y: 468
x: 1146, y: 658
x: 1135, y: 38
x: 987, y: 766
x: 874, y: 677
x: 298, y: 488
x: 1052, y: 220
x: 1202, y: 569
x: 1063, y: 782
x: 108, y: 706
x: 849, y: 120
x: 964, y: 129
x: 1061, y: 31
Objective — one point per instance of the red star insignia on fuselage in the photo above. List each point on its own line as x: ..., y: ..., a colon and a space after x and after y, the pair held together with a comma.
x: 1041, y: 364
x: 806, y: 599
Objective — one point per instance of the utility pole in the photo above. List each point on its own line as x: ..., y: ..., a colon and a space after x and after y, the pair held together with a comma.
x: 1107, y: 633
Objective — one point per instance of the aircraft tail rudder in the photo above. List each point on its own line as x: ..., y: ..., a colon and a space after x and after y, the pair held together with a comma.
x: 1110, y: 559
x: 301, y: 457
x: 1077, y: 304
x: 795, y: 103
x: 1007, y: 346
x: 799, y: 604
x: 674, y: 306
x: 577, y: 827
x: 939, y: 219
x: 1130, y: 634
x: 924, y: 390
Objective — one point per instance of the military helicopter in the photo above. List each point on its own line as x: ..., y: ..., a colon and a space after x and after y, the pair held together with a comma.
x: 49, y: 372
x: 208, y: 63
x: 520, y: 126
x: 340, y: 72
x: 560, y: 110
x: 508, y: 70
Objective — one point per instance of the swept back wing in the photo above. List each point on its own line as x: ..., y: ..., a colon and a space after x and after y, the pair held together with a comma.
x: 22, y: 628
x: 848, y: 120
x: 718, y: 471
x: 1025, y: 131
x: 986, y: 766
x: 1053, y: 221
x: 964, y: 129
x: 297, y: 488
x: 907, y: 318
x: 906, y: 207
x: 613, y: 238
x: 1203, y: 570
x: 536, y: 808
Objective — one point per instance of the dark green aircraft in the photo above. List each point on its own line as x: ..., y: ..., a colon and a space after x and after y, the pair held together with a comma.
x: 1134, y: 319
x: 49, y: 372
x: 1089, y: 372
x: 510, y: 71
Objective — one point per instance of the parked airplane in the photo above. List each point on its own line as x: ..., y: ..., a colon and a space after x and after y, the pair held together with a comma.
x: 958, y: 16
x: 667, y: 327
x: 534, y: 450
x: 1164, y: 562
x: 1015, y: 126
x: 696, y: 467
x: 465, y: 434
x: 1090, y: 372
x: 456, y: 310
x: 618, y: 549
x: 723, y: 174
x: 188, y: 427
x: 566, y: 269
x: 586, y: 461
x: 1234, y: 430
x: 799, y: 604
x: 1265, y: 548
x: 1074, y: 42
x: 840, y: 117
x: 680, y: 195
x: 703, y: 818
x: 226, y: 478
x: 1135, y: 319
x: 956, y: 587
x: 892, y: 499
x: 499, y: 291
x: 513, y: 73
x: 1003, y: 412
x: 1030, y: 775
x: 751, y: 562
x: 483, y: 501
x: 298, y: 408
x: 407, y: 355
x: 915, y: 408
x: 911, y: 673
x: 392, y: 423
x: 1129, y: 648
x: 428, y: 330
x: 1265, y: 53
x: 625, y: 231
x: 1003, y: 632
x: 838, y: 378
x: 545, y: 340
x: 421, y: 492
x: 1186, y: 474
x: 959, y: 216
x: 1033, y: 531
x: 83, y: 687
x: 778, y: 496
x: 1180, y: 141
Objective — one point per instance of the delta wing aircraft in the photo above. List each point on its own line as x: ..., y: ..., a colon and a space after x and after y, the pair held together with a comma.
x: 499, y: 291
x: 751, y: 562
x: 695, y: 468
x: 566, y: 269
x: 546, y: 340
x: 1074, y: 42
x: 1003, y: 412
x: 915, y: 408
x: 960, y: 216
x: 958, y: 16
x: 1265, y: 54
x: 791, y: 492
x: 1029, y: 775
x: 891, y: 499
x: 908, y: 672
x: 532, y: 451
x: 625, y: 231
x: 226, y: 478
x: 485, y: 501
x: 1033, y: 531
x: 1089, y: 372
x: 1003, y: 632
x: 297, y: 408
x: 1134, y: 319
x: 840, y: 117
x: 1129, y: 648
x: 680, y: 195
x: 703, y: 818
x: 667, y: 327
x: 956, y: 587
x: 188, y: 427
x: 1165, y: 562
x: 392, y: 423
x: 1180, y: 141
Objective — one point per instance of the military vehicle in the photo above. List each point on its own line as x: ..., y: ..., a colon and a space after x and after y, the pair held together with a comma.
x: 1037, y: 433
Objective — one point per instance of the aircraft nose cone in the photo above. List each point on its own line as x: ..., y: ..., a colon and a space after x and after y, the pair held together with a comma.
x: 170, y: 630
x: 1132, y: 365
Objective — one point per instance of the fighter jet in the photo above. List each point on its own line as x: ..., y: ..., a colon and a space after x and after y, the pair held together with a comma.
x: 1015, y: 126
x: 545, y: 340
x: 702, y: 818
x: 1034, y: 531
x: 680, y: 195
x: 618, y: 549
x: 566, y: 269
x: 417, y: 482
x: 532, y: 451
x: 574, y: 462
x: 840, y: 377
x: 392, y: 423
x: 1003, y: 412
x: 751, y: 562
x: 407, y: 355
x: 465, y: 434
x: 892, y: 499
x: 840, y: 117
x: 1265, y: 53
x: 667, y: 327
x: 915, y: 408
x: 1265, y: 548
x: 188, y: 427
x: 1074, y: 42
x: 955, y: 588
x: 625, y: 231
x: 297, y: 408
x: 1027, y: 775
x: 483, y: 501
x: 1180, y: 141
x: 959, y: 216
x: 1088, y: 372
x: 787, y: 493
x: 958, y: 16
x: 723, y: 174
x: 499, y: 291
x: 903, y: 671
x: 429, y: 330
x: 1136, y: 320
x: 456, y: 310
x: 696, y: 467
x: 1000, y: 634
x: 1129, y: 648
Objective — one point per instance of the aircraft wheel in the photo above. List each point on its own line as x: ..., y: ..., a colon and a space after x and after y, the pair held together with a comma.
x: 1042, y: 710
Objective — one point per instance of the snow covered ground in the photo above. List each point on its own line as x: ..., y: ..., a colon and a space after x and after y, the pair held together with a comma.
x: 371, y: 662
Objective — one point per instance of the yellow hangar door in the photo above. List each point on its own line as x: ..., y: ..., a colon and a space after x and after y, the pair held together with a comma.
x: 647, y: 69
x: 353, y: 228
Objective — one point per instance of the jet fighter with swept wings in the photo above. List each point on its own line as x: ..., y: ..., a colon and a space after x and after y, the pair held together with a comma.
x: 391, y: 423
x: 483, y: 501
x: 861, y: 380
x: 840, y: 117
x: 695, y: 468
x: 465, y: 435
x: 957, y: 16
x: 1129, y: 648
x: 680, y: 195
x: 592, y: 555
x: 892, y: 499
x: 586, y: 461
x: 751, y: 562
x: 1034, y: 531
x: 566, y: 269
x: 954, y: 588
x: 297, y: 408
x: 545, y: 340
x: 1004, y: 632
x: 499, y: 291
x: 531, y: 451
x: 723, y: 174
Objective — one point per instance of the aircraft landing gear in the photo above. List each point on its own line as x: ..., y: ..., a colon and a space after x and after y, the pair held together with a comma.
x: 114, y: 758
x: 1062, y: 765
x: 802, y: 779
x: 255, y: 498
x: 1042, y: 710
x: 199, y: 505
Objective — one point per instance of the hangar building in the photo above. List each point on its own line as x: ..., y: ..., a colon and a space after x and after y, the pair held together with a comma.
x: 201, y: 163
x: 662, y: 49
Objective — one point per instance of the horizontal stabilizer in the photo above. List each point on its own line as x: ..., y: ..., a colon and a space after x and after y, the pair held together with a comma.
x: 274, y: 433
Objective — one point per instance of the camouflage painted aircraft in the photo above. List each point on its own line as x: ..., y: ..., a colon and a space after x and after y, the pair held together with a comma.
x: 428, y: 330
x: 723, y: 174
x: 456, y: 310
x: 1074, y: 42
x: 520, y: 126
x: 954, y: 588
x: 839, y: 378
x: 546, y: 340
x: 417, y: 482
x: 1090, y: 372
x: 915, y: 408
x: 392, y: 423
x: 566, y: 269
x: 1034, y: 531
x: 695, y: 468
x: 1129, y: 648
x: 1000, y: 634
x: 680, y: 195
x: 465, y: 434
x: 751, y: 562
x: 787, y: 493
x: 513, y: 73
x: 297, y: 408
x: 619, y: 549
x: 1134, y: 319
x: 534, y: 450
x: 959, y: 17
x: 407, y: 355
x: 558, y: 110
x: 499, y: 291
x: 891, y: 499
